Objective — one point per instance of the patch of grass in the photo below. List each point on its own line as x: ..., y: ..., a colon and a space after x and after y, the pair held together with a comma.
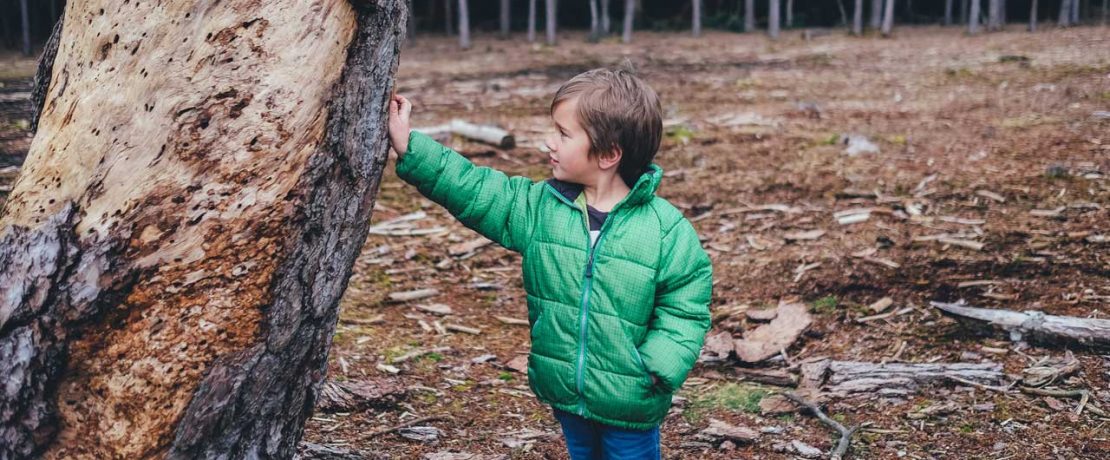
x: 506, y: 376
x: 824, y: 305
x: 680, y: 134
x: 730, y: 397
x: 833, y: 139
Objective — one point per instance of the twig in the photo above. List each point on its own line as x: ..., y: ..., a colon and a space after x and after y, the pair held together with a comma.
x: 845, y: 433
x: 1083, y: 395
x: 963, y: 381
x: 402, y: 425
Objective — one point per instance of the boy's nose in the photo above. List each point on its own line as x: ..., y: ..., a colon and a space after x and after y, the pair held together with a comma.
x: 548, y: 144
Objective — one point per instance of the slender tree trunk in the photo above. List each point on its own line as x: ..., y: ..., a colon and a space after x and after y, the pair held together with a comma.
x: 876, y: 14
x: 606, y: 23
x: 629, y: 16
x: 774, y: 21
x: 1074, y: 12
x: 947, y: 12
x: 1065, y: 13
x: 963, y: 11
x: 25, y: 20
x: 888, y: 18
x: 176, y: 295
x: 697, y: 18
x: 973, y: 18
x: 595, y: 23
x: 1105, y: 11
x: 857, y: 19
x: 531, y: 21
x: 449, y: 9
x: 410, y: 29
x: 550, y: 21
x: 1033, y: 16
x: 1002, y: 14
x: 505, y: 16
x: 464, y: 24
x: 790, y: 13
x: 749, y: 15
x: 992, y: 15
x: 843, y: 13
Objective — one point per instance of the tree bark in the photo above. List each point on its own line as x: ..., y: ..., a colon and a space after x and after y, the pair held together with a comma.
x: 697, y: 18
x: 464, y: 24
x: 841, y: 379
x: 1074, y: 12
x: 774, y: 21
x: 168, y: 289
x: 410, y: 27
x: 505, y: 16
x: 43, y: 75
x: 749, y: 15
x: 1065, y: 13
x: 947, y: 12
x: 1047, y: 328
x: 1033, y: 16
x: 888, y: 18
x: 531, y: 21
x: 629, y: 16
x: 876, y: 14
x: 550, y: 19
x: 857, y: 19
x: 790, y: 13
x: 992, y: 15
x: 973, y: 18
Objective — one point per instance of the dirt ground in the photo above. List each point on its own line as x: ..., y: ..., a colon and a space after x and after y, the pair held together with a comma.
x: 973, y: 133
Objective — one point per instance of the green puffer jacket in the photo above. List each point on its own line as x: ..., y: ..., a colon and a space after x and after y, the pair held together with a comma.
x: 602, y: 320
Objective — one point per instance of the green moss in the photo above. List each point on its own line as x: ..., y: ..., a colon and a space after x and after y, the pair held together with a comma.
x: 824, y: 305
x: 728, y: 397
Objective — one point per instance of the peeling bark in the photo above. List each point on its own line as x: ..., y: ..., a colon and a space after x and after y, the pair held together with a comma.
x: 174, y: 251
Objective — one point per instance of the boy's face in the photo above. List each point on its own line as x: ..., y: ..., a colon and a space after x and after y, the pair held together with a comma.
x: 570, y: 146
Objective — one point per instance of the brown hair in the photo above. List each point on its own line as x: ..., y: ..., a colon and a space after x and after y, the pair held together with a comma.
x: 617, y: 110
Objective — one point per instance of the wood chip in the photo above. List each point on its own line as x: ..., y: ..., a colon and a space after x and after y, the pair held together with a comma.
x: 519, y: 364
x: 435, y: 308
x: 767, y: 340
x: 376, y: 319
x: 719, y: 430
x: 461, y: 328
x: 804, y: 236
x: 468, y: 246
x: 717, y: 347
x: 967, y: 284
x: 763, y: 315
x: 1048, y: 212
x: 413, y: 295
x: 512, y: 321
x: 881, y: 305
x: 991, y: 195
x: 968, y: 244
x: 884, y: 262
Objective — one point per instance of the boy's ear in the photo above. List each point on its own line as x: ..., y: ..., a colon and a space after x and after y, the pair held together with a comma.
x: 610, y: 159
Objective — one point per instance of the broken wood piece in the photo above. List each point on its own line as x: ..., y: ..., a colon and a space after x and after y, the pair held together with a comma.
x: 415, y: 421
x: 852, y: 216
x: 850, y: 378
x: 881, y: 305
x: 417, y: 353
x: 961, y: 220
x: 803, y: 268
x: 717, y: 347
x: 991, y: 195
x: 413, y: 295
x: 966, y: 284
x: 435, y: 308
x: 519, y: 364
x: 461, y: 328
x: 1084, y: 396
x: 718, y: 431
x: 763, y: 316
x: 767, y: 340
x: 1049, y: 371
x: 468, y: 246
x: 974, y: 245
x: 512, y: 321
x: 767, y: 376
x: 483, y: 133
x: 1088, y: 331
x: 884, y: 315
x: 357, y: 395
x: 376, y: 319
x: 1048, y: 212
x: 884, y: 262
x: 845, y: 433
x: 804, y: 236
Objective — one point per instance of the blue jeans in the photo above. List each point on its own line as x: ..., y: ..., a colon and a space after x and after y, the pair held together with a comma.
x: 590, y: 440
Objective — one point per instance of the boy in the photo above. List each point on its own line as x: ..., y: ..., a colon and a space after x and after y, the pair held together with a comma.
x: 617, y: 283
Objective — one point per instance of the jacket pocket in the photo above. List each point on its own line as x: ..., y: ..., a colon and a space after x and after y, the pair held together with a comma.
x: 535, y: 326
x: 643, y: 367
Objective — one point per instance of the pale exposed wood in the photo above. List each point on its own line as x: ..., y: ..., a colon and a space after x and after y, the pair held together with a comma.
x: 166, y: 287
x: 768, y: 340
x: 483, y: 133
x: 1037, y: 325
x: 848, y: 378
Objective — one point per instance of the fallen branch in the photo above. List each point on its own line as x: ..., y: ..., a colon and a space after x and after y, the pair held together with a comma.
x: 1083, y: 395
x: 845, y: 433
x: 848, y: 378
x: 398, y: 426
x: 482, y: 133
x: 1088, y: 331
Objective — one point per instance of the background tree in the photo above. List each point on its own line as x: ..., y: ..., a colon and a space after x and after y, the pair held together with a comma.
x: 464, y: 25
x: 749, y: 15
x: 857, y: 18
x: 1033, y: 16
x: 550, y: 20
x: 888, y: 18
x: 531, y: 21
x: 595, y: 23
x: 1065, y: 13
x: 178, y: 281
x: 505, y: 18
x: 774, y: 21
x: 876, y: 14
x: 629, y: 16
x: 973, y: 18
x: 696, y: 18
x: 948, y: 12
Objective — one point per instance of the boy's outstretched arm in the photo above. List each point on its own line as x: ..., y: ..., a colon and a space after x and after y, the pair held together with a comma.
x: 681, y: 317
x: 483, y: 199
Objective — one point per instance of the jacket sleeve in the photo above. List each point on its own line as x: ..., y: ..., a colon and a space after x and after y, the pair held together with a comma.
x: 681, y: 317
x: 483, y: 199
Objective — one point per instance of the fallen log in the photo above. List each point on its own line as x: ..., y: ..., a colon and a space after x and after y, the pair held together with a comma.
x: 1049, y: 328
x: 352, y: 396
x: 848, y: 378
x: 482, y: 133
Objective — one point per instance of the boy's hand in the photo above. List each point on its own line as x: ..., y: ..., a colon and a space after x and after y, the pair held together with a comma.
x: 399, y: 110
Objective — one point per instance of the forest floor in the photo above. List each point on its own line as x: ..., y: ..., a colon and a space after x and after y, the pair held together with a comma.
x: 998, y: 140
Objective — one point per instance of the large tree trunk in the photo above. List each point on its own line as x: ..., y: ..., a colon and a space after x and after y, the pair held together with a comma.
x: 876, y: 14
x: 531, y: 21
x: 857, y: 18
x: 170, y: 281
x: 947, y: 12
x: 973, y: 18
x: 1033, y: 16
x: 774, y: 21
x: 550, y: 19
x: 888, y: 18
x: 629, y: 16
x: 505, y: 18
x: 697, y: 18
x: 464, y: 25
x: 749, y: 15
